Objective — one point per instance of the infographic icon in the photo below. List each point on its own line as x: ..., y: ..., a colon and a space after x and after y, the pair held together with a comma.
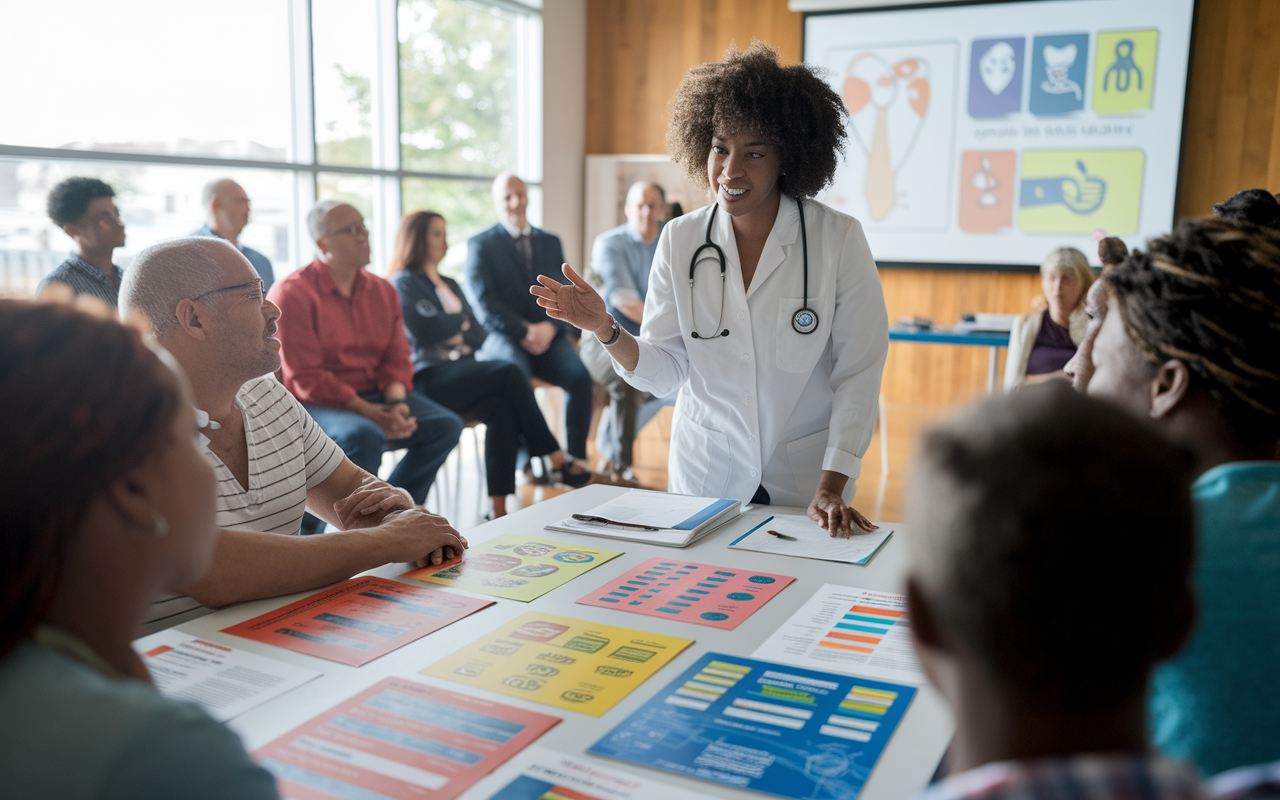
x: 1058, y: 66
x: 1081, y: 191
x: 1124, y: 71
x: 995, y: 77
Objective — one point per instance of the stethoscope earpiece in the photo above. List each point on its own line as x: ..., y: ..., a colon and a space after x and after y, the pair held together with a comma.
x: 804, y: 321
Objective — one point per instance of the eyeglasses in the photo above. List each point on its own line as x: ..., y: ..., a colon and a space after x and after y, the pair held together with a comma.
x: 356, y: 229
x: 256, y: 291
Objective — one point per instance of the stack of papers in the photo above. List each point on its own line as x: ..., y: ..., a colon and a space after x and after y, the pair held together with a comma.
x: 671, y: 520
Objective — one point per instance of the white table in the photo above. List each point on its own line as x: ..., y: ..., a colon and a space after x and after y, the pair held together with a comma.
x: 904, y: 768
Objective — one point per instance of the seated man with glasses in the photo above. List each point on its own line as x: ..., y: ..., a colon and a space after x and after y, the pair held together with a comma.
x: 204, y: 303
x: 346, y: 358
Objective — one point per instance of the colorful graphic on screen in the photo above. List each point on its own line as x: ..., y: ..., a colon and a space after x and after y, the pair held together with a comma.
x: 987, y: 180
x: 995, y: 77
x: 1125, y: 71
x: 1081, y: 191
x: 1058, y: 66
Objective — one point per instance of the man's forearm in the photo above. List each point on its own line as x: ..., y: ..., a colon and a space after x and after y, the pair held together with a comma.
x: 248, y: 565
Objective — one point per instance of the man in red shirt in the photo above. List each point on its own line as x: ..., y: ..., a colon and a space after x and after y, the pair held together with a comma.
x: 345, y: 357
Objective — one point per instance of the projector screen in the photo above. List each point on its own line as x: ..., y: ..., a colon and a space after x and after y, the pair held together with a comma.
x: 986, y: 135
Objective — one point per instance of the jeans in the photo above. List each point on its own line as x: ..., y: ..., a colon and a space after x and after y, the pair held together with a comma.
x: 559, y: 366
x: 498, y: 394
x: 629, y: 408
x: 364, y: 442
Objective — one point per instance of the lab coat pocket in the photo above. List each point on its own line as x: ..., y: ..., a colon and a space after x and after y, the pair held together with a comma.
x: 806, y: 455
x: 797, y: 352
x: 701, y: 458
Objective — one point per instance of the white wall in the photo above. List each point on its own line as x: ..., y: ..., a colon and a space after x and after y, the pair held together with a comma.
x: 564, y: 121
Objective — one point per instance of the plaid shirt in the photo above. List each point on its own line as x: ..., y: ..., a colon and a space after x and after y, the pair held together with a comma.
x: 1090, y: 777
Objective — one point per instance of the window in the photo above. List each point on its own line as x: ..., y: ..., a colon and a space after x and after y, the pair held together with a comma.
x: 388, y: 104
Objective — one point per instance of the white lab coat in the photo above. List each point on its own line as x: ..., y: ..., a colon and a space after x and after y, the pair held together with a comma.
x: 765, y: 405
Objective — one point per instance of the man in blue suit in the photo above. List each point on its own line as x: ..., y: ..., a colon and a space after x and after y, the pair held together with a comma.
x: 502, y: 263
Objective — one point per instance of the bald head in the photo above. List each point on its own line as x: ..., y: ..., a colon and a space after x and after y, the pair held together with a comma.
x: 226, y: 207
x: 645, y: 207
x: 511, y: 200
x: 164, y: 274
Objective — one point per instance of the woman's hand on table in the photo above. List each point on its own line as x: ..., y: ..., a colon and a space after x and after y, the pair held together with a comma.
x: 577, y: 303
x: 829, y: 511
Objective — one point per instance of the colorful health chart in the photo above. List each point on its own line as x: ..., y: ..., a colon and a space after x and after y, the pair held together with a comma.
x: 539, y: 773
x: 854, y: 631
x: 399, y: 738
x: 719, y: 597
x: 516, y: 567
x: 359, y: 619
x: 563, y: 662
x: 766, y: 727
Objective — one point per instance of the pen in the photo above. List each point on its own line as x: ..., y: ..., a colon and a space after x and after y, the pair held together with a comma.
x: 782, y: 536
x: 590, y: 520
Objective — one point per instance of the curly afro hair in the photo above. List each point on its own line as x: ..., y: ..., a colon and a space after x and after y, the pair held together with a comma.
x: 1208, y: 294
x: 792, y: 107
x: 1256, y: 206
x: 70, y: 199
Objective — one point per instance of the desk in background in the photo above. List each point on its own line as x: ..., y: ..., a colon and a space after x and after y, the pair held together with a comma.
x: 993, y: 341
x: 905, y: 767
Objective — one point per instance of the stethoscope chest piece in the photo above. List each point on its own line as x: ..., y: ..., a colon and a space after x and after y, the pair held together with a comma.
x: 805, y: 320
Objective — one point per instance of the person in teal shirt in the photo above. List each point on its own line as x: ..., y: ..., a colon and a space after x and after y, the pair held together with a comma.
x: 106, y: 501
x: 1191, y: 340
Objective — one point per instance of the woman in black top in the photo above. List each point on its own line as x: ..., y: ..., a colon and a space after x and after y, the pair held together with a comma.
x: 444, y: 334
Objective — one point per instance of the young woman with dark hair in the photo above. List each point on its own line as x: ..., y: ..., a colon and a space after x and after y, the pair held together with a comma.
x: 444, y: 335
x: 105, y: 503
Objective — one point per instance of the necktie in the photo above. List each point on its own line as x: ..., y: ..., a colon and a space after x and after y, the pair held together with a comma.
x: 524, y: 243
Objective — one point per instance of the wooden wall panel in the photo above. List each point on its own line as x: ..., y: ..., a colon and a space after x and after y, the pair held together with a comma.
x: 639, y: 50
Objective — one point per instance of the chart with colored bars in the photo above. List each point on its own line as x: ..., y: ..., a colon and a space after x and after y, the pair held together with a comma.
x: 860, y: 715
x: 763, y: 726
x: 846, y: 629
x: 699, y: 593
x: 703, y: 689
x: 862, y: 628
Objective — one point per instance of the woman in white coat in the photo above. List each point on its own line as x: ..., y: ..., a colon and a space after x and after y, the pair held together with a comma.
x: 764, y: 308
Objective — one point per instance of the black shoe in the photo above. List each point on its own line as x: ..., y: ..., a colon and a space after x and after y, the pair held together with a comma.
x: 567, y: 475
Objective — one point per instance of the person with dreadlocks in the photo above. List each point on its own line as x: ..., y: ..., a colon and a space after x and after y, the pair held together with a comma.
x: 764, y: 308
x: 1191, y: 338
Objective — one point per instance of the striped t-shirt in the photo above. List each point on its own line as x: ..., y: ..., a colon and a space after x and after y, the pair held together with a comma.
x: 288, y: 455
x: 85, y: 278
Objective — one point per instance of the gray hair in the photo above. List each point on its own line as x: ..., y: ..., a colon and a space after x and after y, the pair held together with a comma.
x: 164, y: 274
x: 209, y: 190
x: 317, y: 216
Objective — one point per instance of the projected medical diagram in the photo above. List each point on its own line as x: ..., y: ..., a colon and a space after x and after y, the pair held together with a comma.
x: 970, y: 132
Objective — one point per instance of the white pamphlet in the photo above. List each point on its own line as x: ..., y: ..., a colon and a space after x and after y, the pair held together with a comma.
x: 853, y: 631
x: 539, y: 772
x: 801, y: 538
x: 226, y: 681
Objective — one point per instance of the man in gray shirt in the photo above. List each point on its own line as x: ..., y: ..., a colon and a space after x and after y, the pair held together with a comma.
x: 622, y: 258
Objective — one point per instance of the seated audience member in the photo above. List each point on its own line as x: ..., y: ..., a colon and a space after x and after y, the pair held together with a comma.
x: 84, y: 210
x: 107, y: 502
x: 1256, y: 206
x: 1000, y: 595
x: 1111, y: 251
x: 227, y: 211
x: 501, y: 263
x: 205, y: 305
x: 1043, y: 340
x: 1191, y: 340
x: 444, y: 336
x: 345, y: 356
x: 622, y: 257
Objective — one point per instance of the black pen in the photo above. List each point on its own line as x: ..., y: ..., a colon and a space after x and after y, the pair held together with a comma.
x: 782, y: 536
x: 590, y: 520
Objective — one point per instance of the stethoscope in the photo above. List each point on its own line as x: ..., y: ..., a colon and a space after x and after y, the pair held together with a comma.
x: 805, y: 320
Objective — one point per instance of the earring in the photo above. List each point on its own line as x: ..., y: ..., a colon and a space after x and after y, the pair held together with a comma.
x: 160, y: 527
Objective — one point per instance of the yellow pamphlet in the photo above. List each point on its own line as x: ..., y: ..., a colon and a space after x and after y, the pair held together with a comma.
x: 562, y: 662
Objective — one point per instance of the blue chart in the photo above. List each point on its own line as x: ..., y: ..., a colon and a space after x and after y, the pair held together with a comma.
x: 771, y: 728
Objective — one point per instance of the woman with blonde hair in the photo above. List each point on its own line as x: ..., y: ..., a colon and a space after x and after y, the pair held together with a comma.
x: 1045, y: 338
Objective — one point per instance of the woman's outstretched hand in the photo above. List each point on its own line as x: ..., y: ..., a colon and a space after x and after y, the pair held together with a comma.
x: 578, y: 303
